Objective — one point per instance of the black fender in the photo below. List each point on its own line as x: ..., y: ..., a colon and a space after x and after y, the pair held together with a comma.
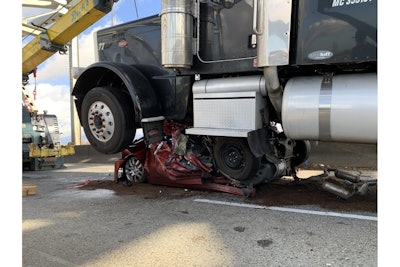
x: 173, y: 90
x: 123, y: 77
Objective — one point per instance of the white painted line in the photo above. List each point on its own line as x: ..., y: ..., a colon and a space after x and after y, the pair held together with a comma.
x: 313, y: 212
x: 55, y: 259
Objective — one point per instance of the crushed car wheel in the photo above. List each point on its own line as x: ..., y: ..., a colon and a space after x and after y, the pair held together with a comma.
x: 133, y: 170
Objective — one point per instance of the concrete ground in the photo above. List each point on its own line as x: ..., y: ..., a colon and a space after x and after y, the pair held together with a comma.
x: 65, y: 224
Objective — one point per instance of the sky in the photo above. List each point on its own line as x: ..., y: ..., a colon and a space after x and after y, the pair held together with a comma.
x: 52, y: 81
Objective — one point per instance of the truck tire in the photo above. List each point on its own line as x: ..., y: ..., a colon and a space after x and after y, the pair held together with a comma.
x: 301, y: 151
x: 107, y: 116
x: 234, y: 158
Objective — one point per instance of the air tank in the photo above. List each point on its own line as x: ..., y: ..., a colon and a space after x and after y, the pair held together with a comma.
x: 255, y: 83
x: 340, y: 108
x: 177, y: 33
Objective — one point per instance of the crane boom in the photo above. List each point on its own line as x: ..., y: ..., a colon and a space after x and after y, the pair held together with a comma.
x: 54, y: 39
x: 41, y: 144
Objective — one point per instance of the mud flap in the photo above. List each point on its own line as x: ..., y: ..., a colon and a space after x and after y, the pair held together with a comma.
x: 258, y: 142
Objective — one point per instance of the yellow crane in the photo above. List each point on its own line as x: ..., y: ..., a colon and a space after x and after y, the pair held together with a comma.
x: 41, y: 142
x: 55, y: 38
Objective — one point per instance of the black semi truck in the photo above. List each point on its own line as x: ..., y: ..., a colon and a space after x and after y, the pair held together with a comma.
x: 235, y: 88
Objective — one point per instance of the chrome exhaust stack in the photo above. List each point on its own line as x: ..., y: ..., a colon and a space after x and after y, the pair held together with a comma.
x: 272, y: 43
x: 177, y: 18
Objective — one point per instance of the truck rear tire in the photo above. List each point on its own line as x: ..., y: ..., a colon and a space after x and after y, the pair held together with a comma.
x: 107, y: 116
x: 234, y: 158
x: 301, y: 151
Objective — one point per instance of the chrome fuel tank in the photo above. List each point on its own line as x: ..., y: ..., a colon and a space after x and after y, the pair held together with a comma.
x: 341, y: 108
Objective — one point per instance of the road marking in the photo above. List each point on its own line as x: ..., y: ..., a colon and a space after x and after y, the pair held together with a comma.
x: 313, y: 212
x: 55, y: 259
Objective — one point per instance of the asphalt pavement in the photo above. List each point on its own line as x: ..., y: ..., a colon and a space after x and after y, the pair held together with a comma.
x: 63, y: 225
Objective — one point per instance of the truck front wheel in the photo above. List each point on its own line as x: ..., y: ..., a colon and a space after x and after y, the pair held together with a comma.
x: 234, y: 158
x: 107, y: 118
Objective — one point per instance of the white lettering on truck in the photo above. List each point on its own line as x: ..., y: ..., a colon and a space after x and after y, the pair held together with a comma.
x: 336, y: 3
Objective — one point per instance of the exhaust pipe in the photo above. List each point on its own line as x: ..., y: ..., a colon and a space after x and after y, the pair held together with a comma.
x: 177, y: 34
x: 339, y: 187
x: 274, y: 88
x: 272, y: 43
